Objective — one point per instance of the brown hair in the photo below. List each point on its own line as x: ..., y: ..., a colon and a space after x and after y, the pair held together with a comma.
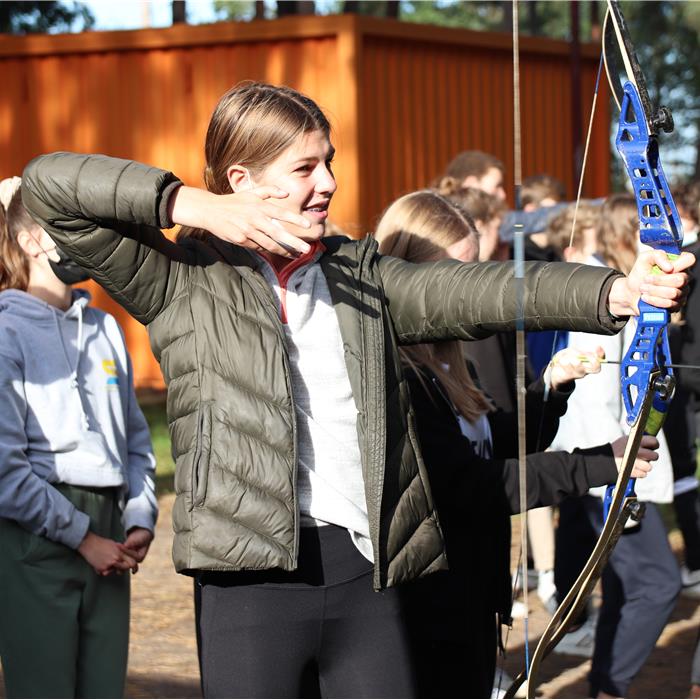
x: 559, y: 229
x: 252, y: 124
x: 687, y: 198
x: 482, y: 206
x: 537, y: 188
x: 618, y: 231
x: 14, y: 263
x: 472, y: 163
x: 419, y: 227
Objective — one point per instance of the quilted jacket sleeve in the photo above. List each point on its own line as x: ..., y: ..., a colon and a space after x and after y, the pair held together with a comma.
x: 106, y: 213
x: 448, y: 299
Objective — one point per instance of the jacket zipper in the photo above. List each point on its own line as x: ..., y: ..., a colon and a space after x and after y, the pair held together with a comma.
x: 373, y: 332
x: 283, y: 278
x: 266, y: 298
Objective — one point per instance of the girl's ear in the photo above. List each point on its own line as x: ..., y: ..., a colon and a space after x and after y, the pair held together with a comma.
x: 239, y: 178
x: 29, y: 244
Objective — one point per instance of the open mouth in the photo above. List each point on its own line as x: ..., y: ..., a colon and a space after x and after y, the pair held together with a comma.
x: 318, y: 211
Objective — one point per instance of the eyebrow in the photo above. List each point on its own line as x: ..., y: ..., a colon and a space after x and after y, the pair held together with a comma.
x: 330, y: 155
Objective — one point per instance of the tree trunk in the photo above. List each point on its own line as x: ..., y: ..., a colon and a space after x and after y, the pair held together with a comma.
x: 507, y: 21
x: 351, y: 7
x: 596, y: 29
x: 285, y: 8
x: 259, y: 9
x: 179, y: 12
x: 532, y: 19
x: 392, y: 9
x: 696, y: 173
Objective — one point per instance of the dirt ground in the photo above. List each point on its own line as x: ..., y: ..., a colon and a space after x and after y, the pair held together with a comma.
x: 163, y: 653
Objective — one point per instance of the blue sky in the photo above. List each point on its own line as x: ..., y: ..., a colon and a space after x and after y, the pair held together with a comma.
x: 131, y: 14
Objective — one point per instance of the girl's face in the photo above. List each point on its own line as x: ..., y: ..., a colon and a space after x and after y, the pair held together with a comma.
x: 304, y: 172
x: 488, y: 238
x: 39, y: 247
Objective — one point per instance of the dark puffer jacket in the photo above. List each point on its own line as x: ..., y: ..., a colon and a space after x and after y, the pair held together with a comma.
x: 213, y: 326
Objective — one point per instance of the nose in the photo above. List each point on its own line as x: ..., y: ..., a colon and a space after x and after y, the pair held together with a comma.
x: 326, y: 183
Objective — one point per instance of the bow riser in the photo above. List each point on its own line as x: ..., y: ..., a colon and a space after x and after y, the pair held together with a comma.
x: 660, y: 228
x: 660, y: 225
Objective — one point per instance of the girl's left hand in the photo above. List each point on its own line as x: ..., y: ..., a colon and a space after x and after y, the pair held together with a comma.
x: 656, y: 279
x: 571, y: 364
x: 137, y: 542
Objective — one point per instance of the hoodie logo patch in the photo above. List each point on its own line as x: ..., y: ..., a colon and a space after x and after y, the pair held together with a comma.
x: 110, y: 368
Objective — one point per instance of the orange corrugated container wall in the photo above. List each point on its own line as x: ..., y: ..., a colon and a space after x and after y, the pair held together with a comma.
x: 403, y: 99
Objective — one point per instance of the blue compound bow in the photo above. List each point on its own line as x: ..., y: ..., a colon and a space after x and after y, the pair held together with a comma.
x: 647, y: 380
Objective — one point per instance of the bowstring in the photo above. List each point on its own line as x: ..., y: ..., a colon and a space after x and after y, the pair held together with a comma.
x: 519, y: 264
x: 579, y: 191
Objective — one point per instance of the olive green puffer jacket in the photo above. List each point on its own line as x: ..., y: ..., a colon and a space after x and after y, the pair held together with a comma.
x: 214, y: 328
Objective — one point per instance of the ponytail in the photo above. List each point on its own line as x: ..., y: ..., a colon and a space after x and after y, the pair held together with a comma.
x: 14, y: 264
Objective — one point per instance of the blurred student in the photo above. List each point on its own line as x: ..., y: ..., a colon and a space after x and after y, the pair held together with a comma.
x: 77, y: 500
x: 541, y: 193
x: 681, y: 423
x: 476, y: 169
x: 486, y: 212
x: 641, y: 580
x: 494, y: 361
x: 681, y: 426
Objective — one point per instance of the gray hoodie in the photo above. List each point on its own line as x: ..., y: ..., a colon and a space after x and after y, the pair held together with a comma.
x: 69, y: 415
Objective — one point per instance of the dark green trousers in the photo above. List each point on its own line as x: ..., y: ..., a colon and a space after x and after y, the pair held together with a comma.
x: 64, y: 630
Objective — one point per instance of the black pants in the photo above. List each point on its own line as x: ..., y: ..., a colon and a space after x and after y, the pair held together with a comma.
x: 453, y: 637
x: 320, y: 631
x: 687, y: 506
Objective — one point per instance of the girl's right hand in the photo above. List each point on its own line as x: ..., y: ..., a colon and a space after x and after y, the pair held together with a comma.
x: 571, y: 363
x: 106, y: 556
x: 645, y: 456
x: 247, y: 219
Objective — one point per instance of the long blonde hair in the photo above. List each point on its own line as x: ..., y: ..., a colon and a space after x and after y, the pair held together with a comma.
x: 419, y: 227
x: 14, y: 262
x: 252, y: 124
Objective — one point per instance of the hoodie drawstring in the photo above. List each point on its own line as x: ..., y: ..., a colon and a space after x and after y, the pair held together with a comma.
x: 74, y: 374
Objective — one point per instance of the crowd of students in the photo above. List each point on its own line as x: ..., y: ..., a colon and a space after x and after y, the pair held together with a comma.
x: 337, y: 445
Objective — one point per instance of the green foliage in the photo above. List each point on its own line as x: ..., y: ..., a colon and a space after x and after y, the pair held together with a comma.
x: 235, y: 9
x: 666, y: 37
x: 373, y: 8
x: 32, y: 16
x: 551, y: 18
x: 158, y: 423
x: 481, y: 15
